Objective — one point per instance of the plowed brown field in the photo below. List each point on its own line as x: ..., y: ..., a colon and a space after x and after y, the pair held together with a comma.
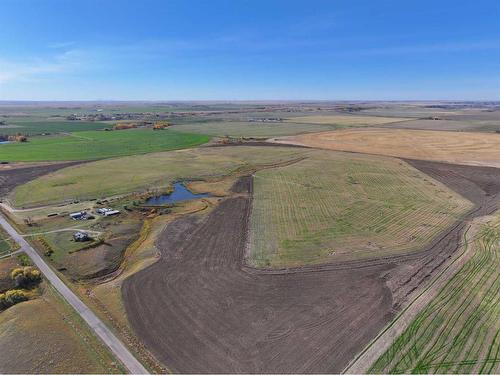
x: 200, y: 309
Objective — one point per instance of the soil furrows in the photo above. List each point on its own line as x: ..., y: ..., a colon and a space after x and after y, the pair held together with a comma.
x: 199, y: 310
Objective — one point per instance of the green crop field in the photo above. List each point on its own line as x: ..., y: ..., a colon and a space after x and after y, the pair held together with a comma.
x: 140, y: 172
x: 98, y: 145
x: 31, y: 127
x: 458, y: 331
x: 337, y: 206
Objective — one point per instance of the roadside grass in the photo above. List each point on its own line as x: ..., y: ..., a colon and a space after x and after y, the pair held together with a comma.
x: 6, y: 245
x: 337, y: 206
x: 91, y: 145
x: 44, y: 335
x: 458, y: 331
x: 111, y: 177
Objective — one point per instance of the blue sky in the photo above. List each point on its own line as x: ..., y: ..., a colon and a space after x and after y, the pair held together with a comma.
x: 239, y: 50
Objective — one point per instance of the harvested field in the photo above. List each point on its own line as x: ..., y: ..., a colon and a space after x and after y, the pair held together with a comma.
x: 457, y: 332
x: 452, y: 147
x: 346, y: 120
x: 447, y: 125
x: 336, y: 206
x: 200, y: 309
x: 45, y: 335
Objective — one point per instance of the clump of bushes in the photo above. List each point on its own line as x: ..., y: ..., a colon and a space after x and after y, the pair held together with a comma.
x: 25, y: 277
x: 124, y: 126
x: 13, y: 138
x: 159, y: 125
x: 11, y: 297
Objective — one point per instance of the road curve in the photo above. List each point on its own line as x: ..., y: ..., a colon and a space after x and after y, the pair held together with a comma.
x: 116, y: 346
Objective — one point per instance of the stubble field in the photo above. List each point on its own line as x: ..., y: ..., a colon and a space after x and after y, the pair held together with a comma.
x: 335, y: 206
x: 452, y: 147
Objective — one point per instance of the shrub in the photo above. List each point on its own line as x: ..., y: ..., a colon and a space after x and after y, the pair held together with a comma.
x: 26, y: 276
x: 124, y: 126
x: 11, y: 297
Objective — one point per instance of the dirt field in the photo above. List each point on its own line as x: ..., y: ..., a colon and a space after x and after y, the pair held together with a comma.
x: 452, y: 147
x: 200, y: 309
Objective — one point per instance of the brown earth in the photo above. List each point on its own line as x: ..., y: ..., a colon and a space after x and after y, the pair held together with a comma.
x: 12, y: 175
x: 200, y: 309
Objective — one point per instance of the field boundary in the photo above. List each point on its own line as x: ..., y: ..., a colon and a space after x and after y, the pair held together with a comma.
x: 377, y: 347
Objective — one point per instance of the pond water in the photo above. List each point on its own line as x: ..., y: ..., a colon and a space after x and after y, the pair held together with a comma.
x: 180, y: 193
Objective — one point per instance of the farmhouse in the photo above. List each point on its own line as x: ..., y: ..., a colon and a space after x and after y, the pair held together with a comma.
x: 81, y: 236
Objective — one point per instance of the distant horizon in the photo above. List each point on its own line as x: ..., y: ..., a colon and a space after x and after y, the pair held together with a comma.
x: 252, y: 101
x: 55, y: 50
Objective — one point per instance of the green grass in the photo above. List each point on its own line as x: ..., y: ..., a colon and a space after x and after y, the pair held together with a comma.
x: 90, y: 145
x: 5, y: 245
x: 337, y: 206
x: 140, y: 172
x: 33, y: 127
x: 458, y: 331
x: 250, y: 129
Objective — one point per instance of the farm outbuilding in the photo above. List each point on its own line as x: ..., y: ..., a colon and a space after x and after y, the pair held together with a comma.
x: 81, y: 215
x: 107, y: 212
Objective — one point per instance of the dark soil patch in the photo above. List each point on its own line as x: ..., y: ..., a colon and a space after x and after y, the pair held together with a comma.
x: 200, y: 309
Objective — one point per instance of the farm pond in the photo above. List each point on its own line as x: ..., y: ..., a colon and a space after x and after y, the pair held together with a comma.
x: 180, y: 193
